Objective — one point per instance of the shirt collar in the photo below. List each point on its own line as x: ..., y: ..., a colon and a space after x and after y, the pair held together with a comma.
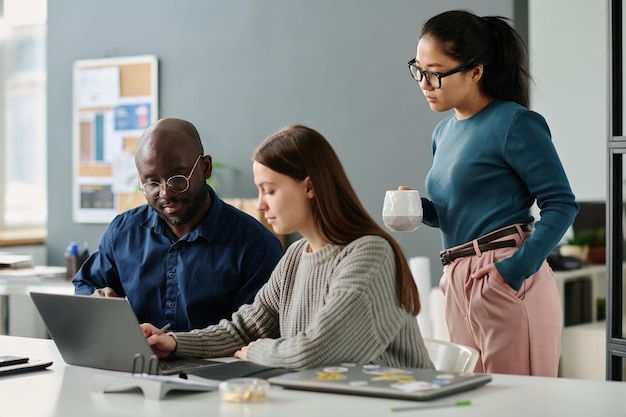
x: 206, y: 228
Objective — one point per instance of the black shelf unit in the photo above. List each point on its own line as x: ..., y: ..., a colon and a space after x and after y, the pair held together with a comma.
x: 615, y: 335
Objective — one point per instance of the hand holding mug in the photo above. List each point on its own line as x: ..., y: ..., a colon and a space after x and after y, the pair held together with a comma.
x: 402, y: 210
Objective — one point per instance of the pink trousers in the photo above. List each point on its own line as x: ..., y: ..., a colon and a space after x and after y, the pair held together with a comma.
x: 516, y: 332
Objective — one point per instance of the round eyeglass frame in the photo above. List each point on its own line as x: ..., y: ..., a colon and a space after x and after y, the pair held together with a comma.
x: 156, y: 186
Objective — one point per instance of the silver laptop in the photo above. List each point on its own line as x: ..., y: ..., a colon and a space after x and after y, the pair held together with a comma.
x: 103, y: 333
x: 381, y: 381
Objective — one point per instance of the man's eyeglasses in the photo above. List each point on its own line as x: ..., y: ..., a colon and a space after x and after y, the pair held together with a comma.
x: 434, y: 78
x: 176, y: 183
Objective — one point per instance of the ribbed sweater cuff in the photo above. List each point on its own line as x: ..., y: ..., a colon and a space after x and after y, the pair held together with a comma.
x: 189, y: 345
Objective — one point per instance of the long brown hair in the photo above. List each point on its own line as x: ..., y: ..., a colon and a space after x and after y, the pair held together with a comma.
x: 299, y: 152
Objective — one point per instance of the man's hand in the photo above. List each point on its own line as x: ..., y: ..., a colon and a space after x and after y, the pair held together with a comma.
x: 162, y: 344
x: 104, y: 292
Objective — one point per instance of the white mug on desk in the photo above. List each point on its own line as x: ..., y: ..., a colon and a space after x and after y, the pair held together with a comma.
x: 402, y: 210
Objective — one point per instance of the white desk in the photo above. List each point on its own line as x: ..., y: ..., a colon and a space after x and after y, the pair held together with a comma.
x: 65, y: 391
x: 583, y: 351
x: 18, y: 316
x: 583, y: 346
x: 595, y: 273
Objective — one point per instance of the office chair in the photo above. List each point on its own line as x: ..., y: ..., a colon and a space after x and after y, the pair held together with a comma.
x: 449, y: 356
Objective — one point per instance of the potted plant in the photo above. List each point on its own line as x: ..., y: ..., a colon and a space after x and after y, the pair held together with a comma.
x: 576, y: 246
x: 588, y: 245
x: 596, y: 241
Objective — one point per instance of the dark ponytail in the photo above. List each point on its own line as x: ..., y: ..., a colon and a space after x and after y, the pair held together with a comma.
x: 489, y: 41
x: 508, y: 76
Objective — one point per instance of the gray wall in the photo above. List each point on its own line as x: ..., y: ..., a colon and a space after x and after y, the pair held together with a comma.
x: 575, y: 105
x: 241, y: 69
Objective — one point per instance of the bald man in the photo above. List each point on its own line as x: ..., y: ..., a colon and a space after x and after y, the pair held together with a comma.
x: 186, y: 258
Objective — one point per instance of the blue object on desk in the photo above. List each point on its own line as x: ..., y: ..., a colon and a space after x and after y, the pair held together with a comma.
x: 72, y: 249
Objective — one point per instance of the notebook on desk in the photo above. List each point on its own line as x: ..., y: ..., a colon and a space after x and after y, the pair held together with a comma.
x: 381, y: 381
x: 103, y: 333
x: 15, y: 261
x: 30, y: 366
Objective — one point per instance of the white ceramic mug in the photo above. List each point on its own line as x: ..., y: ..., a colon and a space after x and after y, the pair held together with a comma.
x: 402, y: 210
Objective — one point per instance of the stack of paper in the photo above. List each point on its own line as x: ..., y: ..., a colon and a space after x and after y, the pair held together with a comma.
x: 15, y: 261
x: 35, y: 274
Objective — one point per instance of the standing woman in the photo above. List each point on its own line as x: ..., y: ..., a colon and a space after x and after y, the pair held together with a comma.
x: 343, y: 293
x: 493, y: 158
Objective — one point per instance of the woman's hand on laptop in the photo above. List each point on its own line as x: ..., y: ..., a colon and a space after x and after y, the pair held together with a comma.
x: 162, y: 344
x: 104, y: 292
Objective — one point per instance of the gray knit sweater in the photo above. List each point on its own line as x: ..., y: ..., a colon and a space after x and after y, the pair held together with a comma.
x: 335, y: 305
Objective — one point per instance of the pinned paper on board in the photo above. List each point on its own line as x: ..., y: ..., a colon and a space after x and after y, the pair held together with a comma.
x: 98, y: 87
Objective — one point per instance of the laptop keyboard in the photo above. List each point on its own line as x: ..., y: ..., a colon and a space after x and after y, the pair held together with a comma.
x: 179, y: 365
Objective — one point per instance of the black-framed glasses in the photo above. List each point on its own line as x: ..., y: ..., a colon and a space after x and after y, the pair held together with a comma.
x: 434, y: 78
x: 176, y: 183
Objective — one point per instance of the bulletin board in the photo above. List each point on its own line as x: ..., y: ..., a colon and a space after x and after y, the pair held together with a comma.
x: 114, y: 101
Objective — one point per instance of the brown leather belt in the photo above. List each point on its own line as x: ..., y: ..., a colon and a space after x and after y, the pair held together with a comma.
x: 485, y: 244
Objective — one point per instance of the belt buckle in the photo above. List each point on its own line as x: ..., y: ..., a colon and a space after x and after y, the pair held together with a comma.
x: 445, y: 257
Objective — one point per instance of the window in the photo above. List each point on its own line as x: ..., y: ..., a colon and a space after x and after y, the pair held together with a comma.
x: 23, y: 198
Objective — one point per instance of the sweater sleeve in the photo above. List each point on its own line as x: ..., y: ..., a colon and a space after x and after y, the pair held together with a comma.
x: 532, y: 155
x: 358, y: 321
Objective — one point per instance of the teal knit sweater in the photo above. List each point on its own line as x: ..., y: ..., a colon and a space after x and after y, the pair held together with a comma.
x: 487, y: 172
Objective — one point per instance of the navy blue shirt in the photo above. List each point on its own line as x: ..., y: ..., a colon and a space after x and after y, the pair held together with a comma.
x: 191, y: 282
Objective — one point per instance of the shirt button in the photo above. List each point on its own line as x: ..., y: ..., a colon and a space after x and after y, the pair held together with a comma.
x: 171, y: 275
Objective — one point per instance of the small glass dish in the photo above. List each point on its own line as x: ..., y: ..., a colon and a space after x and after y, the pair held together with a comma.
x: 241, y: 390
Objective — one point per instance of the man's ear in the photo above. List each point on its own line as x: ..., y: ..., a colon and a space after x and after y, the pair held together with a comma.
x: 207, y: 166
